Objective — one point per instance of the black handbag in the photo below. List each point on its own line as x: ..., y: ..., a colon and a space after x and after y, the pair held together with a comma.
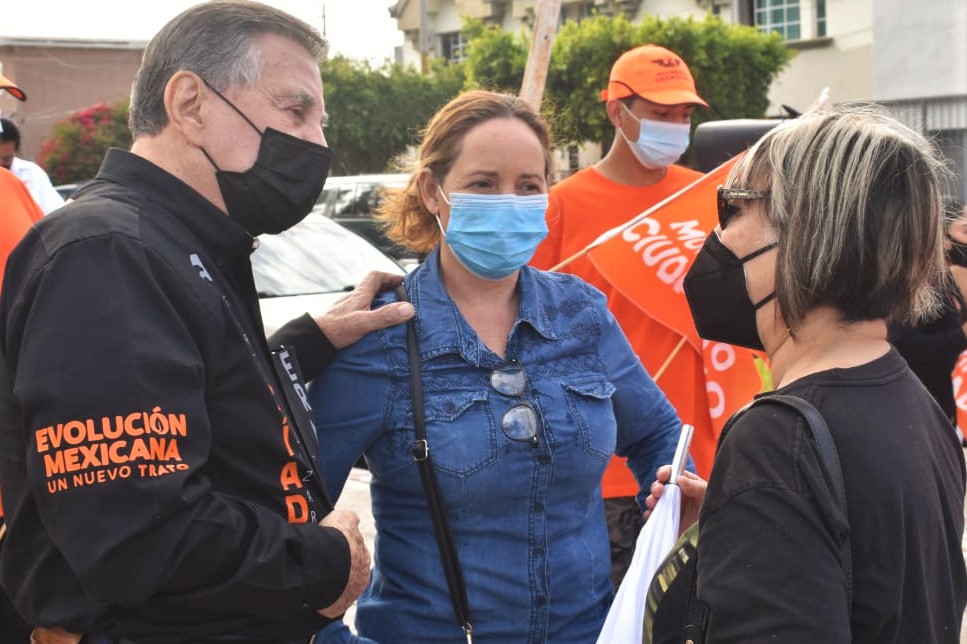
x: 673, y: 612
x: 421, y: 454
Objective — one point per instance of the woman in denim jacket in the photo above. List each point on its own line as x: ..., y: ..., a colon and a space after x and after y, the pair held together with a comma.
x: 529, y: 387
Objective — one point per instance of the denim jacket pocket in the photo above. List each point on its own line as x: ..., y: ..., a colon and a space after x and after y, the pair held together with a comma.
x: 589, y: 402
x: 460, y: 430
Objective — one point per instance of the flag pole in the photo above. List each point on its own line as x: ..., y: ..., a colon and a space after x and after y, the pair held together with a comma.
x: 818, y: 104
x: 668, y: 360
x: 634, y: 221
x: 538, y: 58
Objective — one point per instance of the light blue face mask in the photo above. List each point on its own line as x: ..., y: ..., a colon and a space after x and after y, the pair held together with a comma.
x: 659, y: 143
x: 494, y: 235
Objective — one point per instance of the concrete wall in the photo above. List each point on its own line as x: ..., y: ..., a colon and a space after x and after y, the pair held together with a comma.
x: 920, y: 53
x: 841, y: 61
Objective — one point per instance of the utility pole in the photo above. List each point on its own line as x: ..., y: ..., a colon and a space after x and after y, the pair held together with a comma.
x: 546, y: 15
x: 424, y: 36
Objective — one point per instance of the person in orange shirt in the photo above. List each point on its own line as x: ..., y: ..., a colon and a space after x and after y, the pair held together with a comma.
x: 649, y: 99
x: 18, y: 212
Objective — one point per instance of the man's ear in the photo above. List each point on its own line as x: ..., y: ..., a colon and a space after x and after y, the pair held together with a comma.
x: 185, y: 101
x: 614, y: 109
x: 429, y: 190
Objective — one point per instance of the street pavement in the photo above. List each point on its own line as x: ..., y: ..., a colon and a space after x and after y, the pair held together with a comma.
x: 355, y: 496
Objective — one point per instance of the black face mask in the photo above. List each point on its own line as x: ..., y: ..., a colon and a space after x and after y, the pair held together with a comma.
x: 957, y: 253
x: 281, y: 188
x: 716, y: 294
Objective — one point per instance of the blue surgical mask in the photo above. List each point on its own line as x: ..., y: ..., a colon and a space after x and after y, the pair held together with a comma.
x: 494, y: 235
x: 659, y: 144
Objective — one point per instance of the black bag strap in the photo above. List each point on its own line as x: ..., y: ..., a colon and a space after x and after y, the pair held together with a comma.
x: 421, y: 453
x: 696, y: 611
x: 829, y: 461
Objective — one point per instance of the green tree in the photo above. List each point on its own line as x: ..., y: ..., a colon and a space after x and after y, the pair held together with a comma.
x: 377, y: 112
x: 581, y: 60
x: 78, y: 142
x: 496, y: 59
x: 733, y: 66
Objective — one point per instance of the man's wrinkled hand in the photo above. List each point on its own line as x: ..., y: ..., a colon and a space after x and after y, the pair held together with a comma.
x: 347, y: 522
x: 352, y: 316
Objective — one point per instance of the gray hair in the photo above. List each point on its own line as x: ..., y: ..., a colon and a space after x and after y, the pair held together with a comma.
x: 857, y: 210
x: 217, y: 40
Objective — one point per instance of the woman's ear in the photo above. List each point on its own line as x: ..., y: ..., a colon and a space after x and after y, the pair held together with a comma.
x: 430, y: 191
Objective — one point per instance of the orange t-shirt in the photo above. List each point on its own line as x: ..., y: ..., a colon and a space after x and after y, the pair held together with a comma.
x: 18, y: 212
x: 580, y: 209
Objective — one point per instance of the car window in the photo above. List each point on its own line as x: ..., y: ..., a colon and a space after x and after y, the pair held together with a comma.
x: 316, y: 255
x: 368, y: 197
x: 340, y: 200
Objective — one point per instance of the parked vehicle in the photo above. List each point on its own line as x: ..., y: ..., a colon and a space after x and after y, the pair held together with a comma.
x: 67, y: 190
x: 308, y: 267
x: 351, y: 201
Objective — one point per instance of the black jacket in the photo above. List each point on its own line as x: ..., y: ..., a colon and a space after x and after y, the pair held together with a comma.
x: 154, y: 484
x: 933, y: 347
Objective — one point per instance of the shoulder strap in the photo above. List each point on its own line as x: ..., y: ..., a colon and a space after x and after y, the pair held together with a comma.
x: 421, y: 454
x: 696, y: 611
x: 829, y: 460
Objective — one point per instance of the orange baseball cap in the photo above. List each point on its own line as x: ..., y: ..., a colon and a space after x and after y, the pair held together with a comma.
x: 653, y: 73
x: 10, y: 86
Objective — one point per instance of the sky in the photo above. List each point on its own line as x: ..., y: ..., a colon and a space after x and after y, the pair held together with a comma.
x: 355, y: 28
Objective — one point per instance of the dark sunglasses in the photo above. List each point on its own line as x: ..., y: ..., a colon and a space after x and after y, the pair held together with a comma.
x: 520, y: 421
x: 727, y: 209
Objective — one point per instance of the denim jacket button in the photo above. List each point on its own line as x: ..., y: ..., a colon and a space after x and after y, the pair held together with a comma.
x: 449, y: 408
x: 543, y: 459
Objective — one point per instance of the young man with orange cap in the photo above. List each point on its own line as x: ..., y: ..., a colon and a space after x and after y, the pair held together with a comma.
x: 649, y: 99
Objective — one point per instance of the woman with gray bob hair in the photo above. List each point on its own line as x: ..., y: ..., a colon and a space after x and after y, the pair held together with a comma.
x: 829, y: 226
x: 856, y: 207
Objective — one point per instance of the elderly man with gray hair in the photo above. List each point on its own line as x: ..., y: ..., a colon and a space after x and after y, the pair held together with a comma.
x: 158, y: 464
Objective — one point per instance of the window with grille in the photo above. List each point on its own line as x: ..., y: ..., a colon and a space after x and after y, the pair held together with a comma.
x: 781, y: 16
x: 453, y: 46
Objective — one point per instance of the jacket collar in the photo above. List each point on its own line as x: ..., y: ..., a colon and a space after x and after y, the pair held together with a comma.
x: 453, y: 334
x: 223, y: 237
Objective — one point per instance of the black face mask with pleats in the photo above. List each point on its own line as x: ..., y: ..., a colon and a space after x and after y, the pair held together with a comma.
x: 957, y: 253
x: 717, y: 295
x: 281, y: 187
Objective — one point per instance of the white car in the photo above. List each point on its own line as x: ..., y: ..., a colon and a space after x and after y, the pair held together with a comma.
x: 308, y: 267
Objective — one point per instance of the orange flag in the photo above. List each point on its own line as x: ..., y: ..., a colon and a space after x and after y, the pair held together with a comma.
x: 959, y: 377
x: 646, y: 261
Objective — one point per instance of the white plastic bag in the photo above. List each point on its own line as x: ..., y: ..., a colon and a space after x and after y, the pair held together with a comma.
x: 623, y: 625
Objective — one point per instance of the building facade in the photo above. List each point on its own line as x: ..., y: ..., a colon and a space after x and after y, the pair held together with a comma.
x: 920, y: 72
x: 61, y: 77
x: 915, y: 62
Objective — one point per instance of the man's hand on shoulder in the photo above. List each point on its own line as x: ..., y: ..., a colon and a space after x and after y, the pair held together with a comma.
x: 347, y: 522
x: 352, y: 317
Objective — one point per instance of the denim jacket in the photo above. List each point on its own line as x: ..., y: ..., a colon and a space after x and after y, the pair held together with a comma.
x: 527, y: 519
